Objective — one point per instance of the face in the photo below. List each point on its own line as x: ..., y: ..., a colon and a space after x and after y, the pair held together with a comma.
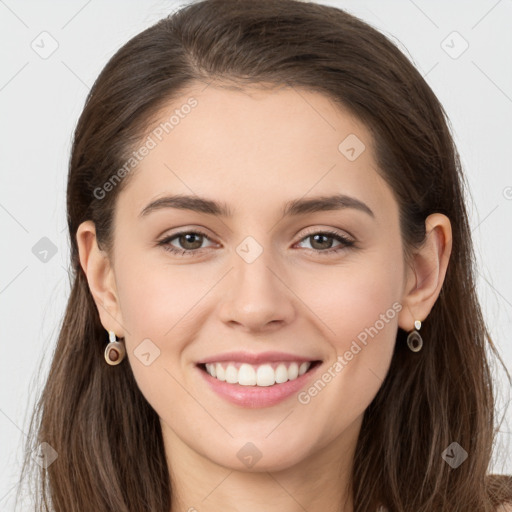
x: 266, y: 296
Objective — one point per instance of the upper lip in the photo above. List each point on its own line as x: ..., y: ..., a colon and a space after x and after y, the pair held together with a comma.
x: 263, y: 357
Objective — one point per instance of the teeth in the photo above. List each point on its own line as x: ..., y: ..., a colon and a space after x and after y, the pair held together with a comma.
x: 257, y: 375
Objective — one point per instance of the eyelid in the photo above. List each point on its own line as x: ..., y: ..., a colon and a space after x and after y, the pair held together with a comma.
x: 347, y: 242
x: 310, y: 231
x: 331, y: 231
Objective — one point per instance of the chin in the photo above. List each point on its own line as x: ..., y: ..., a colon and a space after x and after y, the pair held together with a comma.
x: 258, y: 455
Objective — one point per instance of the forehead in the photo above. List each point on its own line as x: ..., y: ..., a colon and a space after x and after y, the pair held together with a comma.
x: 255, y: 149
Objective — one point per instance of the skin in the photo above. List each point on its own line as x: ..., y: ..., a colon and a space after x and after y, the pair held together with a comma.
x: 255, y: 150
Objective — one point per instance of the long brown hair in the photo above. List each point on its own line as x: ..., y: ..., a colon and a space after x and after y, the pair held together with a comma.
x: 108, y: 439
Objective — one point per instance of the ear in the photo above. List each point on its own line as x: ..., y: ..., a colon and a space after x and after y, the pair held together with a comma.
x: 426, y: 275
x: 100, y: 276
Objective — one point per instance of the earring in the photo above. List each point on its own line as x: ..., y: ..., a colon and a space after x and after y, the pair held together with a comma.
x: 115, y: 350
x: 414, y: 339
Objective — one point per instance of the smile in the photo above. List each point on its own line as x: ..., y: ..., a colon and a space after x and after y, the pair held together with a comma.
x: 263, y: 375
x: 257, y: 385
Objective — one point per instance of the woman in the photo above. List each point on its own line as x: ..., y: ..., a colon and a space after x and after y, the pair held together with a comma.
x: 273, y: 303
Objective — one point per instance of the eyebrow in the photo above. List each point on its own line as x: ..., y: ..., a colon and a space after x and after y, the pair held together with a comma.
x: 291, y: 208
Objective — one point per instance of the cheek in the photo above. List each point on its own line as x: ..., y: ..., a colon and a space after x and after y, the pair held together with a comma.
x: 155, y: 297
x: 362, y: 315
x: 354, y: 297
x: 156, y: 303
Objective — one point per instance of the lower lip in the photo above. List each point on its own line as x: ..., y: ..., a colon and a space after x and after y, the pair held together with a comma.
x: 257, y: 396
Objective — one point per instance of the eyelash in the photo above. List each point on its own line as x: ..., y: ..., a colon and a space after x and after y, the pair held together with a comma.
x: 347, y: 243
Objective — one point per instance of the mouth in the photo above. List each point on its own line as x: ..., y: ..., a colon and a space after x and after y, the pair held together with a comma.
x: 268, y: 374
x: 259, y: 383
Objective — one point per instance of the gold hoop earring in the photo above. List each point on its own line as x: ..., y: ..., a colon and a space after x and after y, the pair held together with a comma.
x: 115, y: 350
x: 414, y: 339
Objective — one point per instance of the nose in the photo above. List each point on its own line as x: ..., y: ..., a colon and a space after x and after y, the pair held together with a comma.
x: 257, y: 297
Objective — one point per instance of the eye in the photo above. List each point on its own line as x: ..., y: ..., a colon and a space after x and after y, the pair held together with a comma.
x: 320, y: 242
x: 190, y: 240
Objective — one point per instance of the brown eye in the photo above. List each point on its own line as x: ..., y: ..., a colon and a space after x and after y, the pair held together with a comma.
x: 322, y: 242
x: 189, y: 242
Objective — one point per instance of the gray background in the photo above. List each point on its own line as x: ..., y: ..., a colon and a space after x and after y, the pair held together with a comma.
x: 41, y: 99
